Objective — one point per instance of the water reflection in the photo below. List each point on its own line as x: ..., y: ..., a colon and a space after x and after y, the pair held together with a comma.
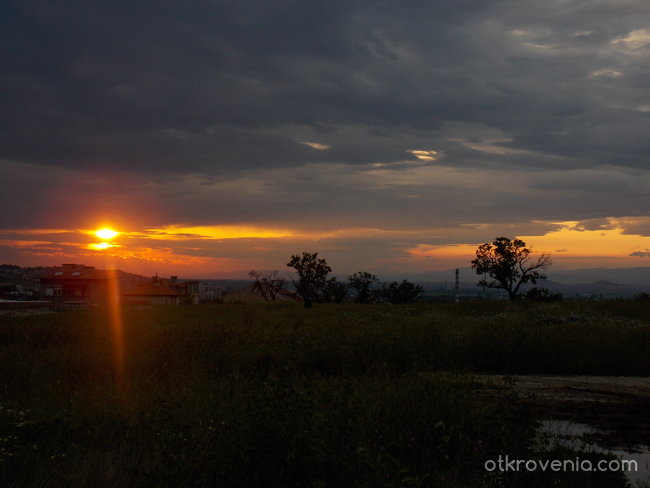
x: 553, y: 433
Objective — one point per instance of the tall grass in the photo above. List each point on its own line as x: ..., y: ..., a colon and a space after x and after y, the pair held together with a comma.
x: 276, y: 395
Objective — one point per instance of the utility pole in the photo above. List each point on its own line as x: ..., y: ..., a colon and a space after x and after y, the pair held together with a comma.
x: 457, y: 289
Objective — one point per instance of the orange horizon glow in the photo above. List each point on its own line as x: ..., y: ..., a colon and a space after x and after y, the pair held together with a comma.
x: 583, y: 243
x: 216, y: 232
x: 568, y: 244
x: 182, y: 249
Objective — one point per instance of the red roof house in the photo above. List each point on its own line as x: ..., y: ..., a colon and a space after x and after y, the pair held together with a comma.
x: 76, y: 284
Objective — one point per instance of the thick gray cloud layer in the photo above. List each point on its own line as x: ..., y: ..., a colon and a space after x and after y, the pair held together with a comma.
x: 541, y: 108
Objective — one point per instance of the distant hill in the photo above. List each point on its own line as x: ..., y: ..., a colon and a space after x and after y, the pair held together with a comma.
x: 11, y: 273
x: 593, y: 282
x: 605, y: 283
x: 623, y: 276
x: 29, y: 277
x: 626, y: 276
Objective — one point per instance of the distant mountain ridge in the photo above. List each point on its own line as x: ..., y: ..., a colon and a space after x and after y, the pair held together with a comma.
x: 615, y: 276
x: 625, y: 276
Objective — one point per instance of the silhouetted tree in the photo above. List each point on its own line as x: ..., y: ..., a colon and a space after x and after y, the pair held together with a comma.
x: 536, y: 294
x: 334, y: 291
x: 508, y: 263
x: 400, y: 293
x: 312, y: 274
x: 269, y: 283
x: 361, y: 283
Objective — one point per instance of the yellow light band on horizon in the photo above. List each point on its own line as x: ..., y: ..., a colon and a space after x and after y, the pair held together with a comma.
x: 215, y: 232
x: 601, y: 242
x: 567, y: 241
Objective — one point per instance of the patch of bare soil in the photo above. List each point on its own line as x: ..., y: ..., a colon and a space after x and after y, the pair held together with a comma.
x: 619, y: 407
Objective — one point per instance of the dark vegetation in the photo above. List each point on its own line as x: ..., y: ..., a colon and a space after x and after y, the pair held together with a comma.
x: 276, y: 395
x: 509, y: 264
x: 315, y: 283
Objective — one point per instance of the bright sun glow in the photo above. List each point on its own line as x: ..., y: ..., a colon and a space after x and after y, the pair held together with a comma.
x: 106, y: 233
x: 100, y: 246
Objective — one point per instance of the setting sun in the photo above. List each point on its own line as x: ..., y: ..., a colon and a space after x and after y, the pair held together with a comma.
x: 106, y: 233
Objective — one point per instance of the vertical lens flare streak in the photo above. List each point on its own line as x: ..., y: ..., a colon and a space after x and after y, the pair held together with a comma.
x: 117, y: 329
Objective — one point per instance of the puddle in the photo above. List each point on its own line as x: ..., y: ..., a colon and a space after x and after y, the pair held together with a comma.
x: 571, y: 435
x: 562, y: 430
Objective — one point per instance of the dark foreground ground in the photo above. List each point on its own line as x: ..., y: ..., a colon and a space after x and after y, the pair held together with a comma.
x: 617, y: 406
x: 339, y: 395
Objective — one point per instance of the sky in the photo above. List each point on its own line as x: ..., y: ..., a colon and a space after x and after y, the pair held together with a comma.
x: 391, y: 137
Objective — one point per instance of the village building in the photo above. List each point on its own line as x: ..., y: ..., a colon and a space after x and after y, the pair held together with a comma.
x: 80, y: 285
x: 209, y: 292
x: 162, y: 291
x: 75, y: 285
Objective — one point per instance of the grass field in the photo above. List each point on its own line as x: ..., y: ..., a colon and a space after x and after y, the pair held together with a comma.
x: 277, y: 395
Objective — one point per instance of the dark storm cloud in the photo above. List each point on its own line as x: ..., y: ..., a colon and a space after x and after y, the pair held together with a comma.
x: 636, y: 226
x: 307, y: 112
x: 595, y: 224
x: 217, y: 86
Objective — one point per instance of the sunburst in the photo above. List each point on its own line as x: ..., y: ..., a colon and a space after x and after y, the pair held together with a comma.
x: 106, y: 233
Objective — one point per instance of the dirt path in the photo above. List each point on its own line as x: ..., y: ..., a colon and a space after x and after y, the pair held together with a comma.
x: 618, y: 406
